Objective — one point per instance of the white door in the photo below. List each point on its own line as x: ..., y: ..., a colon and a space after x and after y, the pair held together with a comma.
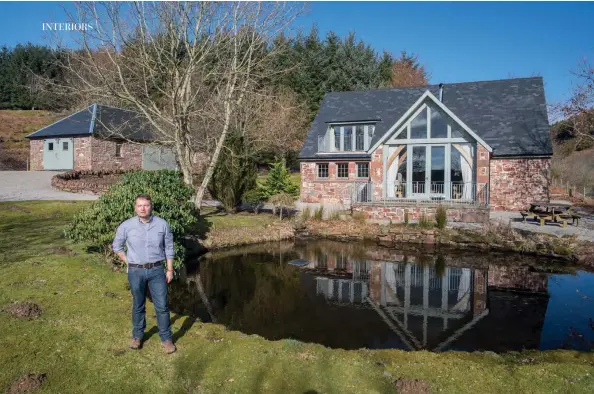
x: 58, y: 154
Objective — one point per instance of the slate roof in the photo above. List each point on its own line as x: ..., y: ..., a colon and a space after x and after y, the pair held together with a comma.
x: 99, y: 120
x: 510, y: 114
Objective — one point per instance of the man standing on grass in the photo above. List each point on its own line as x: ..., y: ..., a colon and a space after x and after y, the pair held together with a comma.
x: 149, y: 242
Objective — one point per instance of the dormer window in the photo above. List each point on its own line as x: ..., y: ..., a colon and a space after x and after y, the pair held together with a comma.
x: 353, y: 137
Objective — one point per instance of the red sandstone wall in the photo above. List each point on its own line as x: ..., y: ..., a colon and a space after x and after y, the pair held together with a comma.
x: 331, y: 190
x: 82, y: 153
x: 36, y: 155
x: 515, y: 183
x: 103, y: 155
x: 396, y: 213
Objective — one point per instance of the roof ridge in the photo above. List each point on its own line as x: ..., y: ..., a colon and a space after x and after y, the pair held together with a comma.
x: 433, y: 85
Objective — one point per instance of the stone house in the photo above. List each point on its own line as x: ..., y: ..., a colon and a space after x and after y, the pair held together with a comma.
x: 470, y: 147
x: 98, y: 138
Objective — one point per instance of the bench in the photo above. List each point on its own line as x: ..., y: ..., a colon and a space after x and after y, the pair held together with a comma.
x: 564, y: 218
x: 576, y: 219
x: 524, y: 215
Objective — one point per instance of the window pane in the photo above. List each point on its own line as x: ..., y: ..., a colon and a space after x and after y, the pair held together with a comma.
x: 64, y: 145
x: 348, y: 135
x: 360, y: 137
x: 371, y: 131
x: 400, y: 181
x: 337, y: 138
x: 437, y: 169
x: 418, y: 127
x: 402, y: 135
x: 439, y: 127
x: 362, y: 170
x: 457, y: 132
x: 50, y: 146
x: 461, y: 169
x: 323, y: 170
x: 418, y: 170
x: 343, y: 170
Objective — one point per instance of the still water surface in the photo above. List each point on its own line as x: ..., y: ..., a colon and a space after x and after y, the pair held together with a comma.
x: 354, y: 296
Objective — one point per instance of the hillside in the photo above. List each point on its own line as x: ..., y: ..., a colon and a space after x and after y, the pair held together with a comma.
x: 14, y: 126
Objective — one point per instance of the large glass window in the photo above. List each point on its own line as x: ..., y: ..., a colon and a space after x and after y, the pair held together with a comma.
x: 437, y: 169
x: 418, y: 126
x: 419, y: 168
x: 400, y: 182
x: 439, y: 127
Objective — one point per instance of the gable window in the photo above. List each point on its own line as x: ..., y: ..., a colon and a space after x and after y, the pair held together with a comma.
x: 430, y: 156
x: 439, y: 127
x: 359, y: 137
x: 343, y: 170
x: 322, y: 170
x: 418, y: 127
x: 362, y: 170
x: 347, y: 138
x: 118, y: 151
x: 348, y: 135
x: 336, y: 131
x: 50, y: 146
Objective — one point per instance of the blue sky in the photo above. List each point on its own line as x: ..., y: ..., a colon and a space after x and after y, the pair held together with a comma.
x: 456, y: 42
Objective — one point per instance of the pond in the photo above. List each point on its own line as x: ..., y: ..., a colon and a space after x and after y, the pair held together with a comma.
x: 352, y: 295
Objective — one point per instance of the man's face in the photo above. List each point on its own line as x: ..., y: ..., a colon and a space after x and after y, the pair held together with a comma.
x: 142, y: 208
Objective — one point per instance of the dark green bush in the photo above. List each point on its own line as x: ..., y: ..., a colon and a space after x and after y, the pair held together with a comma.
x: 234, y: 174
x: 97, y: 224
x: 441, y: 217
x: 254, y: 197
x: 279, y: 181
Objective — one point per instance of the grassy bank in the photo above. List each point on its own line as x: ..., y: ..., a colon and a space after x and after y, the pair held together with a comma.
x: 80, y: 339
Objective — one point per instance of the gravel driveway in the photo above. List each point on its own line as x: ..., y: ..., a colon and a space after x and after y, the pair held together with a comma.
x: 33, y: 185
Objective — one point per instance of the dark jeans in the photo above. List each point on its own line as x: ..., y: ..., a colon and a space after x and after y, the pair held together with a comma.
x: 139, y: 278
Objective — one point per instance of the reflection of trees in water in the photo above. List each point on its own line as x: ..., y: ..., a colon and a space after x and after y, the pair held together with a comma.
x: 253, y: 295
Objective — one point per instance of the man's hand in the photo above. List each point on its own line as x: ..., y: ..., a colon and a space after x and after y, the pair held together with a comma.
x: 169, y: 276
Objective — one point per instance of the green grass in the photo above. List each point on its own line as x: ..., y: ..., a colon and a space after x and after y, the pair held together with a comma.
x: 80, y: 340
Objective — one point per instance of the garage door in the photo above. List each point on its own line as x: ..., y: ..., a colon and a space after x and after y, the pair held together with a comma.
x: 58, y: 154
x: 158, y: 158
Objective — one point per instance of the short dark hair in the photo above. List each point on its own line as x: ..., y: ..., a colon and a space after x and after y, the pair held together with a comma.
x: 143, y: 197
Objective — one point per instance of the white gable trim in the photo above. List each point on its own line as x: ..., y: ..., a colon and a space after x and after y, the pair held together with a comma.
x: 414, y: 108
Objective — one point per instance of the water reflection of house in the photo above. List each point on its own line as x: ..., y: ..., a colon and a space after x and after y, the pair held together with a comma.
x: 435, y: 310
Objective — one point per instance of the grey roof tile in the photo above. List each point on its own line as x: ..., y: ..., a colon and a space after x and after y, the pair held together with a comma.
x: 510, y: 115
x: 108, y: 122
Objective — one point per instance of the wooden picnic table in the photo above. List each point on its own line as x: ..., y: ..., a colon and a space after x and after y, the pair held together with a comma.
x: 552, y: 211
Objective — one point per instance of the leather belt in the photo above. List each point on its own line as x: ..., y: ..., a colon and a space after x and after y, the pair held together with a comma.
x: 147, y: 266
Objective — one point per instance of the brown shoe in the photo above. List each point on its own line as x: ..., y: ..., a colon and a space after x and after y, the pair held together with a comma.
x: 135, y: 344
x: 169, y: 347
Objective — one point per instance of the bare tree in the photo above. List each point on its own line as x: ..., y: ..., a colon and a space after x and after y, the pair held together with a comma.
x: 273, y: 121
x: 186, y: 68
x: 578, y: 111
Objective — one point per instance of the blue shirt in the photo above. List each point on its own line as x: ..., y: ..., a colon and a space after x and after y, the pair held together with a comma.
x: 146, y: 242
